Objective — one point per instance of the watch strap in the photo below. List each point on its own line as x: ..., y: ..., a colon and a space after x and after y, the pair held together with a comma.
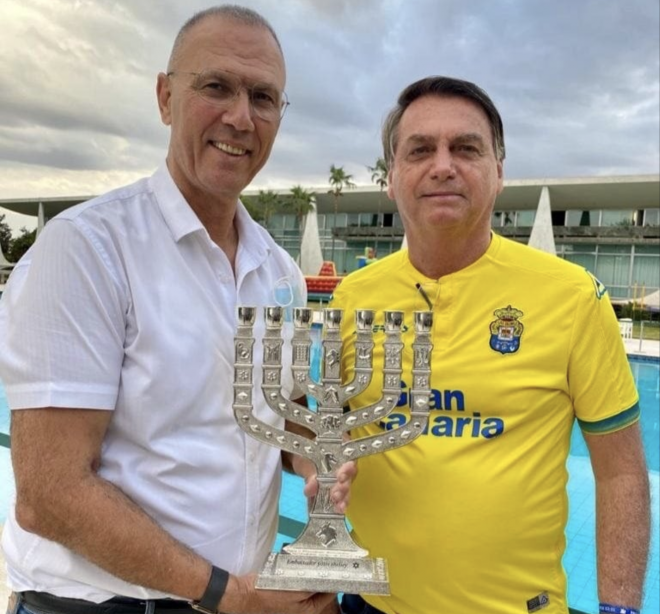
x: 215, y: 589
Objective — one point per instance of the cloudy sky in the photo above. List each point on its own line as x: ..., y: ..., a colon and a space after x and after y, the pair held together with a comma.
x: 576, y: 81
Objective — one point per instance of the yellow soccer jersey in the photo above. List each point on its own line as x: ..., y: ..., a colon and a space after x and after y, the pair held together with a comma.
x: 471, y: 515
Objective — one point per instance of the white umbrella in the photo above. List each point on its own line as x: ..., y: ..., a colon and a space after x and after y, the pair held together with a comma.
x: 651, y: 302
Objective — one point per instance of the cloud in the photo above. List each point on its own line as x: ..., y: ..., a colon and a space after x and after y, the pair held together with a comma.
x: 576, y: 84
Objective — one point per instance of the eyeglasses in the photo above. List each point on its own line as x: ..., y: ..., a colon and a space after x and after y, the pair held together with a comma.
x: 220, y: 89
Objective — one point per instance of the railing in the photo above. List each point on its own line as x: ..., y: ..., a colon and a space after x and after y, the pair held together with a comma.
x: 641, y: 336
x: 649, y: 235
x: 647, y: 330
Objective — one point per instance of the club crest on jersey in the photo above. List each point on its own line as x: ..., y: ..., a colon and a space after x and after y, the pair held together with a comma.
x: 506, y: 330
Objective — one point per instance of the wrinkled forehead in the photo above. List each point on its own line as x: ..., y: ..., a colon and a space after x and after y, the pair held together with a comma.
x: 219, y: 43
x: 437, y: 111
x: 432, y: 116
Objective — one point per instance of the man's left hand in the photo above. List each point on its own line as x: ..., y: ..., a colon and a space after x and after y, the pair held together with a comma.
x: 340, y: 493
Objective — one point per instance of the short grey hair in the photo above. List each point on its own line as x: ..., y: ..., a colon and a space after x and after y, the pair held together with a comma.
x: 443, y: 87
x: 240, y: 14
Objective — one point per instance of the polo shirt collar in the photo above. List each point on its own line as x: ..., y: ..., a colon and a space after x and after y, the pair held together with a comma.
x: 253, y: 248
x: 182, y: 220
x: 177, y: 213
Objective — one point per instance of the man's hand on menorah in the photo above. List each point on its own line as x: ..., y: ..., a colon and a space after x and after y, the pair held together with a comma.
x: 340, y: 492
x: 299, y: 465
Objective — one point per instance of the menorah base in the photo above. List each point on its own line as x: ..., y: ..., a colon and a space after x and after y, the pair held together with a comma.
x: 330, y: 574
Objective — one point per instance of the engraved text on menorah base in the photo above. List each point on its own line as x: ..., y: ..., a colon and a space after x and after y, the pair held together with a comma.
x: 295, y: 572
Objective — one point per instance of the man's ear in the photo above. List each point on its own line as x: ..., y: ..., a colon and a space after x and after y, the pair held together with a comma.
x: 390, y: 189
x: 500, y: 176
x: 164, y: 96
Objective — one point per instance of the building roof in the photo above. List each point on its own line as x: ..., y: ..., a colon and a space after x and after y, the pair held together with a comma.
x: 581, y: 193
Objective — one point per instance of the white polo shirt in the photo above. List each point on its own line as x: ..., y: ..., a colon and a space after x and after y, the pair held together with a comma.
x: 125, y: 304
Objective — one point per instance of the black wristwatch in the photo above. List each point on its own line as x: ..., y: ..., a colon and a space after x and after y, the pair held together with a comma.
x: 215, y: 589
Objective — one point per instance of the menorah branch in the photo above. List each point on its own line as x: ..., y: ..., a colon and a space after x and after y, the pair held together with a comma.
x: 289, y: 410
x: 289, y: 442
x: 375, y: 444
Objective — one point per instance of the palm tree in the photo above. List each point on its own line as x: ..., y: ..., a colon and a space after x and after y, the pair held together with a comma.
x: 299, y: 202
x: 379, y: 177
x: 339, y: 180
x: 379, y: 173
x: 252, y: 209
x: 267, y: 202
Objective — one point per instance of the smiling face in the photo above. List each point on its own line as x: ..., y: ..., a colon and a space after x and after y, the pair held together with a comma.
x: 444, y: 173
x: 214, y: 151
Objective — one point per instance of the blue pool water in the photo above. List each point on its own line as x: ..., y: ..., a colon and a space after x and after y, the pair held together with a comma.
x: 580, y: 557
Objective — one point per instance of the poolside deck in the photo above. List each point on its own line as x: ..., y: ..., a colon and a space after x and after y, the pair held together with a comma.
x: 642, y: 347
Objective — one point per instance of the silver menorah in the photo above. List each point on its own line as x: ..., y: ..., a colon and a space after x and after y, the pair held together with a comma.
x: 325, y: 558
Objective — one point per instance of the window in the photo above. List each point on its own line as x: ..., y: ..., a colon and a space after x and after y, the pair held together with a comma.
x: 614, y: 270
x: 342, y: 220
x: 581, y: 248
x: 616, y: 218
x: 585, y: 258
x: 647, y: 249
x: 614, y: 249
x: 559, y: 218
x: 290, y: 221
x: 503, y: 218
x: 276, y: 221
x: 525, y: 218
x: 580, y: 218
x: 646, y: 272
x: 367, y: 219
x: 334, y: 221
x: 651, y: 217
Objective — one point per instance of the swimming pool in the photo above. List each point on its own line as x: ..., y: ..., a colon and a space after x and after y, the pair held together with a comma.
x: 580, y: 557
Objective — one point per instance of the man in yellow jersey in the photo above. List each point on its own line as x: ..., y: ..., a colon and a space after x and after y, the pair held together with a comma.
x: 471, y: 515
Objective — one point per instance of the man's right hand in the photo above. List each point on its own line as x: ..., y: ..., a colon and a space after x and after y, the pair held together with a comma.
x: 241, y: 597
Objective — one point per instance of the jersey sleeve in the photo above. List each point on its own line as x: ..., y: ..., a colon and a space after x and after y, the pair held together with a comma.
x: 63, y: 323
x: 338, y: 298
x: 600, y: 379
